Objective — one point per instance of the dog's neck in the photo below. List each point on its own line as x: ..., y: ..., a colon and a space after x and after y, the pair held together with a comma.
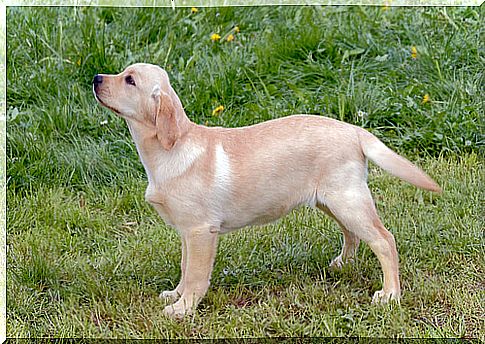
x: 161, y: 164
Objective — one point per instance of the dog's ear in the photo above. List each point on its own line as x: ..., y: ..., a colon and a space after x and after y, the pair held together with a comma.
x: 166, y: 126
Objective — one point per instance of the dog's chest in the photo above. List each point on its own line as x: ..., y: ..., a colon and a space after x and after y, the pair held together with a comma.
x: 159, y: 202
x: 179, y: 203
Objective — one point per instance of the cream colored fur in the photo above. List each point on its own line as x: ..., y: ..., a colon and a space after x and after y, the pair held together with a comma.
x: 207, y: 181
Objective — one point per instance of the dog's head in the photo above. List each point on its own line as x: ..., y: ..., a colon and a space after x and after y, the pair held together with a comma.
x: 142, y: 93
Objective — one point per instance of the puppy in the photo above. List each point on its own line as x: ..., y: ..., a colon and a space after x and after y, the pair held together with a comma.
x: 209, y: 181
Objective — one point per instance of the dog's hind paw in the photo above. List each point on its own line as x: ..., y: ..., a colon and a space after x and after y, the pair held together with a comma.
x: 382, y: 297
x: 338, y: 263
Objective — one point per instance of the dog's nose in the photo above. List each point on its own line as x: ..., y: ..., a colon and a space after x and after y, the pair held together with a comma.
x: 98, y: 79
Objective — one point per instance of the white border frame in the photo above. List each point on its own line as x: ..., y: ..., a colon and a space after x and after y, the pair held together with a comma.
x: 136, y: 3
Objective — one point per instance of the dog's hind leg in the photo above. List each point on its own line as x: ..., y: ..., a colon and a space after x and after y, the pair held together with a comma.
x: 353, y: 207
x: 350, y: 246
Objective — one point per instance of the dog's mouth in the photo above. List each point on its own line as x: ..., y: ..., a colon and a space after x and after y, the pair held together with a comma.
x: 99, y: 100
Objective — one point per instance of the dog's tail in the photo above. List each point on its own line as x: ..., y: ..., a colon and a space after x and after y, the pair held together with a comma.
x: 393, y: 163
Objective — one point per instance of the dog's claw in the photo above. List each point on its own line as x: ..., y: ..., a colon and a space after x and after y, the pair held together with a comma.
x: 382, y: 297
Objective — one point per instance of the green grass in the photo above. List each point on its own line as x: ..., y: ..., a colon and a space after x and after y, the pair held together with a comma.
x: 87, y: 256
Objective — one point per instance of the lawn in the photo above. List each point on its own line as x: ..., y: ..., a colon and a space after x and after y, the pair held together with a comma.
x: 87, y: 256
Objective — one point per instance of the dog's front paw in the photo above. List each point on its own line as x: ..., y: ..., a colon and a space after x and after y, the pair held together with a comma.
x: 169, y: 295
x: 177, y: 310
x: 382, y: 297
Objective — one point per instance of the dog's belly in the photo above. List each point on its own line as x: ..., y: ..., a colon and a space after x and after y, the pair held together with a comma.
x: 234, y: 224
x: 263, y: 211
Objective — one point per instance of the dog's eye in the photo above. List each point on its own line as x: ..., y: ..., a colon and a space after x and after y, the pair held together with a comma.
x: 129, y: 80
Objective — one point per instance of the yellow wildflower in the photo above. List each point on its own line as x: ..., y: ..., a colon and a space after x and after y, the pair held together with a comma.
x: 78, y: 62
x: 414, y: 52
x: 230, y: 38
x: 215, y: 37
x: 236, y: 29
x: 426, y: 99
x: 217, y: 110
x: 194, y: 10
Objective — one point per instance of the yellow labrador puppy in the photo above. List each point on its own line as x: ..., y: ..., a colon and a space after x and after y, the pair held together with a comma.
x: 209, y: 181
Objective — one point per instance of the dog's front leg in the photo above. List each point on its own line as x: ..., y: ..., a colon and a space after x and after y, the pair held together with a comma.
x: 173, y: 295
x: 201, y: 246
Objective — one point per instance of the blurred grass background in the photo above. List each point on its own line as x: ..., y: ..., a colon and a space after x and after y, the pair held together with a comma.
x: 87, y: 256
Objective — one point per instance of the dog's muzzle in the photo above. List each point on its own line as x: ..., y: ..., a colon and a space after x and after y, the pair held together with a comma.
x: 98, y: 80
